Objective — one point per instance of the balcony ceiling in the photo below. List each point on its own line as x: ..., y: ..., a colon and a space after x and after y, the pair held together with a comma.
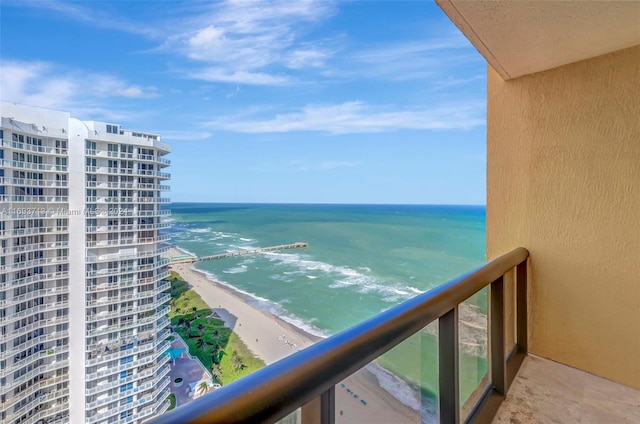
x: 522, y: 37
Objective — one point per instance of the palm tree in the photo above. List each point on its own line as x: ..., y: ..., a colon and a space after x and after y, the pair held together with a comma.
x: 217, y: 353
x: 202, y: 388
x: 217, y: 373
x: 237, y: 362
x: 200, y: 344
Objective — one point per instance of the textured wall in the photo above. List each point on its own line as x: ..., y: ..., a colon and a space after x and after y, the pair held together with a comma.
x: 563, y: 180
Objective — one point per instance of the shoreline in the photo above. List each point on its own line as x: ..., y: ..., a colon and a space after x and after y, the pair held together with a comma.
x: 359, y: 398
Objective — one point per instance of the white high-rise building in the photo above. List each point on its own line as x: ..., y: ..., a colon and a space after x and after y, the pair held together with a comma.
x: 83, y: 301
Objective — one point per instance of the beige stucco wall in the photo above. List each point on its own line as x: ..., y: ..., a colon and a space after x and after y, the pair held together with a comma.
x: 563, y: 180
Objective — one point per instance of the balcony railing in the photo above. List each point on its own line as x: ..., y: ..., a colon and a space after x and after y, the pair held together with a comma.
x: 308, y: 378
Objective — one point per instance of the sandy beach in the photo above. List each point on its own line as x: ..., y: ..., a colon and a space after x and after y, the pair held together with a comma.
x: 272, y: 339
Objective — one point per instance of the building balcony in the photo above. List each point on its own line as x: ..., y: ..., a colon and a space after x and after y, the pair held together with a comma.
x: 48, y: 150
x: 105, y: 385
x: 104, y: 185
x: 106, y: 354
x: 106, y: 371
x: 48, y: 415
x: 47, y: 167
x: 134, y: 323
x: 43, y: 385
x: 49, y: 182
x: 5, y: 303
x: 146, y: 411
x: 34, y: 246
x: 47, y: 338
x: 34, y: 199
x: 47, y: 307
x: 47, y: 326
x: 128, y: 241
x: 123, y: 256
x: 118, y: 313
x: 142, y: 388
x: 109, y: 272
x: 122, y: 297
x: 42, y: 369
x: 128, y: 212
x: 548, y: 391
x: 127, y: 281
x: 43, y: 354
x: 153, y: 200
x: 55, y: 260
x: 34, y: 279
x: 39, y: 230
x: 51, y: 396
x: 131, y: 227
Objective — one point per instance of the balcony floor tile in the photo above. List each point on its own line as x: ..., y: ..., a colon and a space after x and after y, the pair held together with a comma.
x: 548, y: 392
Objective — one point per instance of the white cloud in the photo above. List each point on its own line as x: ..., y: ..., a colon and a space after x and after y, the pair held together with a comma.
x: 251, y: 42
x: 358, y: 117
x: 90, y: 15
x: 238, y: 77
x: 181, y: 135
x: 307, y: 58
x: 409, y: 60
x: 47, y: 85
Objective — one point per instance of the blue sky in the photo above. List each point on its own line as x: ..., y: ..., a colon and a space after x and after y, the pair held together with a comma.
x: 283, y: 101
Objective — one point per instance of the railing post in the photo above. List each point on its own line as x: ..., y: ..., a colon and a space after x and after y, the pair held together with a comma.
x: 448, y: 364
x: 498, y: 363
x: 328, y: 406
x: 521, y: 306
x: 320, y: 410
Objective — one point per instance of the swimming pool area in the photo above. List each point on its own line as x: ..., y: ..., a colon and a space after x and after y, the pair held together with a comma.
x: 175, y: 352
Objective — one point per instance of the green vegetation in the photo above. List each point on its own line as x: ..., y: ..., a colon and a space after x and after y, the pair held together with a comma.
x: 218, y: 347
x: 172, y: 401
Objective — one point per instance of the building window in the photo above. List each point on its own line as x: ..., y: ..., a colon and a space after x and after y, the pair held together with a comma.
x: 112, y: 129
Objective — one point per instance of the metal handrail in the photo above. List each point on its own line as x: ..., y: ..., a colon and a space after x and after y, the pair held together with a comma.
x: 275, y: 391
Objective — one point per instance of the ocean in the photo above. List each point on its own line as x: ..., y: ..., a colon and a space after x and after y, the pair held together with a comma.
x: 361, y: 260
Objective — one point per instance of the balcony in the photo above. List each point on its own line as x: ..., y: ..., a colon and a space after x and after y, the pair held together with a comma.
x: 156, y: 372
x: 47, y: 307
x: 52, y: 337
x: 142, y: 388
x: 43, y: 369
x: 127, y: 255
x: 128, y: 241
x: 32, y: 183
x: 118, y: 313
x: 31, y: 295
x: 145, y: 346
x: 34, y: 246
x: 105, y: 329
x: 308, y: 378
x: 36, y: 356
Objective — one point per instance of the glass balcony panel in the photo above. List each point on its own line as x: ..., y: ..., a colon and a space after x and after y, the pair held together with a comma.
x: 293, y: 418
x: 473, y: 348
x: 400, y: 386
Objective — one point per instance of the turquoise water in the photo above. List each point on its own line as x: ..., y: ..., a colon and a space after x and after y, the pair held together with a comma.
x: 361, y: 259
x: 174, y: 352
